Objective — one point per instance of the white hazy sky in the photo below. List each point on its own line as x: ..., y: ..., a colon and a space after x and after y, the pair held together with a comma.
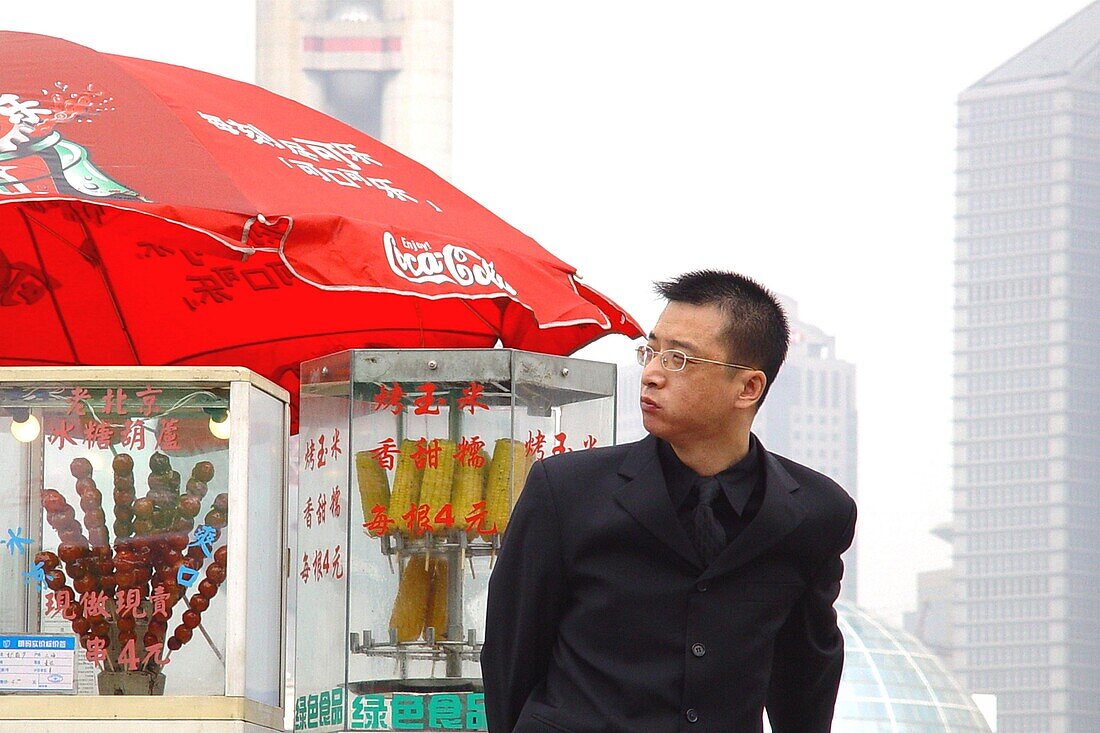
x: 807, y: 144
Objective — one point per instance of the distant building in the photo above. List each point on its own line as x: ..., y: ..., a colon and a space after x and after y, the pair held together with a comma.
x: 809, y: 414
x: 382, y: 66
x: 932, y: 621
x: 1027, y: 384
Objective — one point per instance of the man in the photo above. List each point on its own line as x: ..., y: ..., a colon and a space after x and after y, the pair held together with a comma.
x: 686, y: 581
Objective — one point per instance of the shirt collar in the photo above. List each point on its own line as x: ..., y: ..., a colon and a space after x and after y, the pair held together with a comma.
x: 737, y: 481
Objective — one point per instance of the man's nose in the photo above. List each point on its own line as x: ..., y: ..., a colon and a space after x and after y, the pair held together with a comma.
x: 653, y: 374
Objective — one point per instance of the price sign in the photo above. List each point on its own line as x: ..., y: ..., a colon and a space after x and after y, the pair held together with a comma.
x: 37, y: 663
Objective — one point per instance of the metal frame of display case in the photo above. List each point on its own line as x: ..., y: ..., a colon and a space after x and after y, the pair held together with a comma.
x: 233, y: 711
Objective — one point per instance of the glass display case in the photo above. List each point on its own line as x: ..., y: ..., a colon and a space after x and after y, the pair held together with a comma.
x: 410, y: 464
x: 142, y: 547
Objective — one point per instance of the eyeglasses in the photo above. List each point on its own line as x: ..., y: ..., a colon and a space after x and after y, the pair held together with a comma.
x: 675, y: 360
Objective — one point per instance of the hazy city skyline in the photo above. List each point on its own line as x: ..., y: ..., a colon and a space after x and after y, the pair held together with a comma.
x: 809, y: 146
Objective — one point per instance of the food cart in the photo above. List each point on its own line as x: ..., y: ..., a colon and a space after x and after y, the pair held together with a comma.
x: 410, y: 464
x: 143, y: 551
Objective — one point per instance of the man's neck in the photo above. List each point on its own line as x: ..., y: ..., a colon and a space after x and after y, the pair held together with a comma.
x: 708, y: 458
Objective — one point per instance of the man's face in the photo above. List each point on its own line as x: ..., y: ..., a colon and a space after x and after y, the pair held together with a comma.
x: 694, y: 404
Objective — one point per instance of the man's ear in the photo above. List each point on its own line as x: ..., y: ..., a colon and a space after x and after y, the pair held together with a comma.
x: 752, y: 388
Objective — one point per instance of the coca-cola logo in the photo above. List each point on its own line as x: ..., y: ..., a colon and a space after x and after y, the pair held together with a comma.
x: 418, y: 262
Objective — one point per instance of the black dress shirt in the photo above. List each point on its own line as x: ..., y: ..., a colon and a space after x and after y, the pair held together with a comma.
x: 741, y: 496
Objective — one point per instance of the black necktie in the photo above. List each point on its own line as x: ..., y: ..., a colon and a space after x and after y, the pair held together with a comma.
x: 710, y: 538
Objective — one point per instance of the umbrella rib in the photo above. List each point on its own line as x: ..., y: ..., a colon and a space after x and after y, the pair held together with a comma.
x: 495, y: 329
x: 49, y: 287
x: 98, y: 264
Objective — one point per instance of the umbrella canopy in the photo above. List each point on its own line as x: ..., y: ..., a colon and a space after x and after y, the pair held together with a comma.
x: 153, y: 214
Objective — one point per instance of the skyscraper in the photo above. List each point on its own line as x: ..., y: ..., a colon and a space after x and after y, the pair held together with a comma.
x: 1027, y: 384
x: 809, y: 414
x: 382, y: 66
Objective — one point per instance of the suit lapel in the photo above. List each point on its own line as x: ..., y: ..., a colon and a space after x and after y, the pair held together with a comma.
x: 645, y: 496
x: 779, y: 514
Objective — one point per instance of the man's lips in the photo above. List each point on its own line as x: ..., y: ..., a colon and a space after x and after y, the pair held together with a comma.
x: 648, y: 404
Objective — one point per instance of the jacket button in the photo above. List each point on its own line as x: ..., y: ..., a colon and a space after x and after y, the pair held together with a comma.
x: 698, y: 650
x: 691, y: 715
x: 701, y: 586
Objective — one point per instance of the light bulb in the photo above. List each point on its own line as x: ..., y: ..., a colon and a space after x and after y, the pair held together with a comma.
x: 220, y: 428
x: 27, y: 429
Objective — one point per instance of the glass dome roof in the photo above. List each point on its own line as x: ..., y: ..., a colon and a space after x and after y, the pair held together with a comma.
x: 893, y: 684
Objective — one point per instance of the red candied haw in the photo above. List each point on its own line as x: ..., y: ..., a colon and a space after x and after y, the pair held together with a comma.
x: 100, y: 627
x: 85, y: 584
x: 124, y: 494
x: 64, y: 515
x: 143, y: 508
x: 69, y: 551
x: 71, y: 533
x: 221, y: 503
x: 94, y: 518
x: 125, y: 635
x: 150, y: 639
x: 122, y: 527
x: 81, y: 625
x: 183, y: 524
x: 102, y: 552
x: 199, y: 602
x: 79, y: 567
x: 183, y: 633
x: 195, y: 563
x: 124, y: 512
x: 52, y: 501
x: 126, y: 623
x: 55, y: 579
x: 190, y: 506
x: 221, y: 554
x: 80, y: 468
x: 123, y: 464
x: 174, y: 479
x: 191, y: 618
x: 159, y: 463
x: 208, y: 588
x: 216, y: 573
x: 143, y: 527
x: 91, y: 499
x: 203, y: 471
x: 97, y: 535
x: 125, y: 578
x: 216, y: 519
x: 48, y: 559
x: 158, y: 625
x: 177, y: 541
x: 83, y: 485
x: 174, y: 643
x: 197, y: 488
x: 196, y: 552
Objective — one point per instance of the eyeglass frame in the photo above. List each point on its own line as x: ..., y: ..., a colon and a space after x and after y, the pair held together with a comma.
x: 646, y: 347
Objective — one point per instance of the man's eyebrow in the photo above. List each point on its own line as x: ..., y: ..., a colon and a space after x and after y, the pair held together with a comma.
x: 687, y: 346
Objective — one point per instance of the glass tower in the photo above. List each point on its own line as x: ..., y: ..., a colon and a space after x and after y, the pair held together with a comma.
x: 1027, y: 384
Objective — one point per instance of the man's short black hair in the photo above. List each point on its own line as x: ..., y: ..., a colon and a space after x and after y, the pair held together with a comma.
x: 757, y: 333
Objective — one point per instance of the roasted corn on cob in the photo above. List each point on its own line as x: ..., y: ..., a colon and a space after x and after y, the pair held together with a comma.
x: 437, y: 597
x: 374, y: 484
x: 410, y: 608
x: 435, y: 487
x: 507, y: 473
x: 469, y: 488
x: 406, y: 483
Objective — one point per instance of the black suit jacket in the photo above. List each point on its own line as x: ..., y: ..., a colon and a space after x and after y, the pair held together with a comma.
x: 601, y: 617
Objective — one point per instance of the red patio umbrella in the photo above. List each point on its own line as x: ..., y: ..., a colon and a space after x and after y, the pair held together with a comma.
x: 153, y: 214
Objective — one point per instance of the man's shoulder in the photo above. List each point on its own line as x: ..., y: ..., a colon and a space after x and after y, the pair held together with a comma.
x: 817, y: 485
